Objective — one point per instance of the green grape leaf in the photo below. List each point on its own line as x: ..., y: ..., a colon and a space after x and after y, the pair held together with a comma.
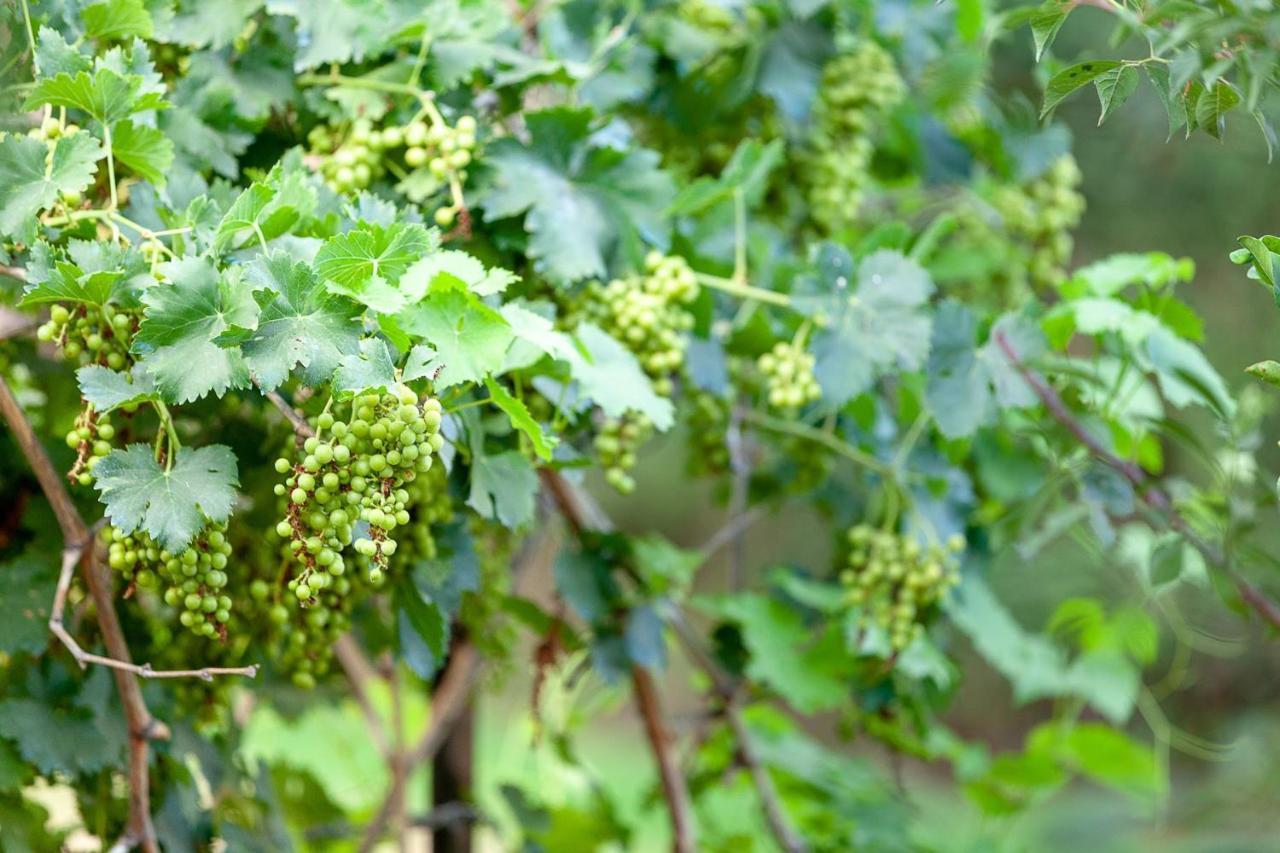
x: 643, y: 638
x: 371, y: 369
x: 1104, y: 754
x: 169, y: 505
x: 26, y: 596
x: 300, y: 323
x: 108, y: 390
x: 424, y: 618
x: 56, y: 56
x: 583, y: 204
x: 341, y: 31
x: 56, y: 740
x: 265, y: 210
x: 420, y: 364
x: 469, y: 337
x: 200, y: 24
x: 104, y: 94
x: 535, y: 336
x: 29, y: 186
x: 1034, y: 666
x: 1070, y: 79
x: 747, y: 172
x: 518, y: 413
x: 968, y: 384
x: 177, y: 337
x: 880, y: 326
x: 460, y: 268
x: 503, y: 487
x: 66, y: 282
x: 1114, y: 88
x: 145, y: 150
x: 367, y: 264
x: 810, y: 676
x: 1186, y: 377
x: 116, y: 19
x: 608, y: 373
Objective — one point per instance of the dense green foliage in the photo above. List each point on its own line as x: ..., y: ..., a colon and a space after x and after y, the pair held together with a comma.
x: 333, y: 302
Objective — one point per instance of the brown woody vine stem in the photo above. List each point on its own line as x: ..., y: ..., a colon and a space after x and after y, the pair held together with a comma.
x: 1149, y: 493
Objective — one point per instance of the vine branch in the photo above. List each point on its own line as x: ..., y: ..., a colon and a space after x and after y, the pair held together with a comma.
x: 1149, y: 493
x: 583, y: 514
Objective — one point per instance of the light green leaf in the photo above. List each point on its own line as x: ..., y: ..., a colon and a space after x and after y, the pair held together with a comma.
x: 300, y: 324
x: 1169, y: 96
x: 28, y: 185
x: 461, y: 268
x: 503, y: 487
x: 583, y: 205
x: 367, y: 264
x: 108, y: 390
x: 265, y: 210
x: 609, y: 375
x: 66, y: 282
x: 145, y: 150
x: 103, y: 94
x: 116, y: 19
x: 516, y: 410
x: 183, y: 319
x: 170, y: 505
x: 371, y: 369
x: 469, y: 337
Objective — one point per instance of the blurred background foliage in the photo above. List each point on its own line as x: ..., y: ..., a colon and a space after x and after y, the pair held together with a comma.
x: 1187, y: 197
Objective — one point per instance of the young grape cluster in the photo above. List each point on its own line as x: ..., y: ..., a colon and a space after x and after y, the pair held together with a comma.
x: 430, y: 506
x: 858, y: 88
x: 788, y: 371
x: 352, y: 159
x: 353, y: 472
x: 616, y: 445
x: 895, y: 581
x: 192, y: 580
x: 708, y: 421
x: 1042, y: 213
x: 649, y: 314
x: 91, y: 336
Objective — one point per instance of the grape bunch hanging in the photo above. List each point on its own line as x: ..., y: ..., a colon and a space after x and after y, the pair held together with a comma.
x: 896, y: 582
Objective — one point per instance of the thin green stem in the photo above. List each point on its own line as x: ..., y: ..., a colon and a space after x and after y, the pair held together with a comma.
x: 743, y: 290
x: 831, y: 442
x: 171, y: 432
x: 111, y: 165
x: 909, y: 440
x: 31, y: 37
x: 365, y: 83
x: 418, y: 63
x: 469, y: 405
x: 739, y: 237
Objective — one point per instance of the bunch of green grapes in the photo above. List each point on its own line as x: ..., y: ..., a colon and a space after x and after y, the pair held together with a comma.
x: 896, y: 582
x: 352, y: 471
x: 430, y: 506
x: 649, y: 314
x: 192, y: 580
x: 352, y: 158
x: 616, y: 445
x: 92, y: 335
x: 788, y: 372
x: 708, y: 422
x: 858, y: 88
x: 482, y: 612
x: 101, y: 336
x: 302, y: 638
x: 1042, y: 213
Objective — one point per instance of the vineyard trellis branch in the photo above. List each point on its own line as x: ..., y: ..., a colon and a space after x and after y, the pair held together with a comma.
x: 1149, y: 493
